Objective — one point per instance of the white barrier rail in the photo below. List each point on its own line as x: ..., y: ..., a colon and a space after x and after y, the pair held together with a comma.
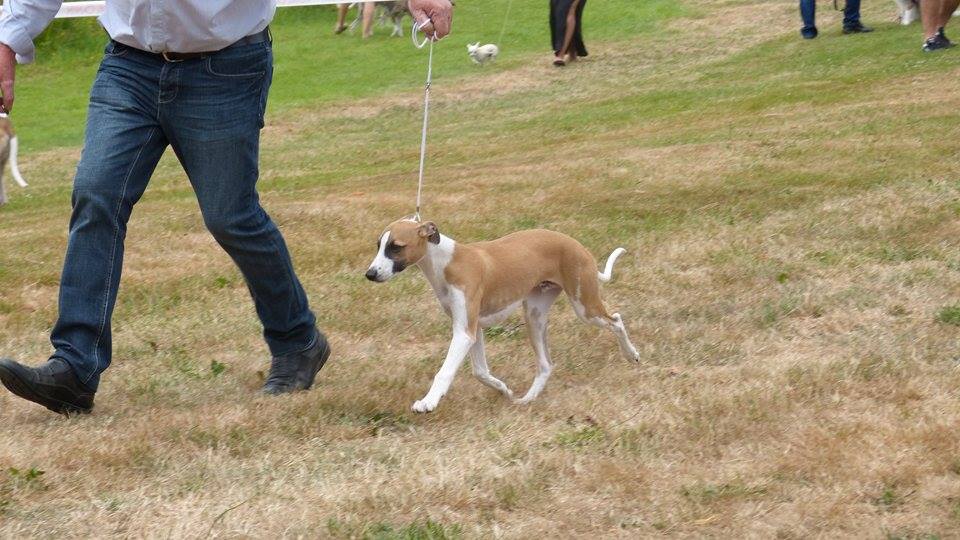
x: 71, y: 10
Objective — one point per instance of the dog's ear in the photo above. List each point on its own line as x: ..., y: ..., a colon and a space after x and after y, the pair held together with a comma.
x: 429, y: 231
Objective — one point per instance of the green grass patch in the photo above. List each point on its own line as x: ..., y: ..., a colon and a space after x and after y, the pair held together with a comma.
x: 707, y: 493
x: 418, y: 530
x: 314, y: 66
x: 949, y: 315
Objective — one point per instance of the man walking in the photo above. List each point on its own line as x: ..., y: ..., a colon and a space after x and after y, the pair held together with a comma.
x: 194, y: 75
x: 851, y: 18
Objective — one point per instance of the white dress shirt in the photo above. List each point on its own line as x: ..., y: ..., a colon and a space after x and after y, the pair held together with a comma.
x: 151, y: 25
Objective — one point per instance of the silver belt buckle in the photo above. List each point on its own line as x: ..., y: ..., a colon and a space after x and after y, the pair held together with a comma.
x: 168, y: 59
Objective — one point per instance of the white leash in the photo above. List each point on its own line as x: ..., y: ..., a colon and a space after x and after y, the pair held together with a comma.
x: 426, y: 107
x: 506, y: 18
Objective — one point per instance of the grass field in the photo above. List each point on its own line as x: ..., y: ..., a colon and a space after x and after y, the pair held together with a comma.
x: 791, y: 211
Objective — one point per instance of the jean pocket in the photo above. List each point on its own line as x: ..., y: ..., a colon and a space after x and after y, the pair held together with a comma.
x: 247, y: 62
x: 115, y: 49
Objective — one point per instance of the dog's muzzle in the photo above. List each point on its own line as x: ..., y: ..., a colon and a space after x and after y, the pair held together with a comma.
x: 372, y: 274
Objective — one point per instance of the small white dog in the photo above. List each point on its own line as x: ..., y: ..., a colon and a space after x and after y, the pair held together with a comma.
x: 481, y: 54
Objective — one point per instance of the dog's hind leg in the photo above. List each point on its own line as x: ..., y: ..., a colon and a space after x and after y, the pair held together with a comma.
x: 589, y: 307
x: 478, y: 358
x: 397, y: 26
x: 536, y: 311
x: 626, y: 347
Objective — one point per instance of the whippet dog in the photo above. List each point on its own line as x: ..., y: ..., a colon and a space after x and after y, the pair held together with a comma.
x: 481, y: 284
x: 909, y: 11
x: 8, y: 154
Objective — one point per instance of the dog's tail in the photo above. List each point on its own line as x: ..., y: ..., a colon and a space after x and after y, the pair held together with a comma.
x: 607, y: 273
x: 13, y: 163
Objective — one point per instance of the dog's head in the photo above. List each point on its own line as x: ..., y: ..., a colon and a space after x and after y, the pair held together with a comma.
x: 402, y: 244
x: 472, y: 47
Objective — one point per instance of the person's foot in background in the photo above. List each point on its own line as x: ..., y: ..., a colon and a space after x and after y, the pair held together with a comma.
x: 937, y: 42
x: 856, y: 28
x: 935, y: 14
x: 808, y: 32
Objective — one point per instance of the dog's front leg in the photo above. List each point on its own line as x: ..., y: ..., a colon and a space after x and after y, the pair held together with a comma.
x: 461, y: 344
x: 465, y: 314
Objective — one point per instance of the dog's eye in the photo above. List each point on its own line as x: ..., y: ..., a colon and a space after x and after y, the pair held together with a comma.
x: 393, y: 246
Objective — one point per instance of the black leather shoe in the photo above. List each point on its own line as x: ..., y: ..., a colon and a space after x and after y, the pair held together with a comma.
x: 857, y: 28
x: 297, y: 371
x: 53, y: 385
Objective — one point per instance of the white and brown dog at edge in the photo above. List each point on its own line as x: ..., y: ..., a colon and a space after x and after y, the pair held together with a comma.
x: 8, y: 153
x: 482, y: 283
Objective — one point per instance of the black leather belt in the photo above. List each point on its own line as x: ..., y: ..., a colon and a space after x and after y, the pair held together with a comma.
x: 259, y: 37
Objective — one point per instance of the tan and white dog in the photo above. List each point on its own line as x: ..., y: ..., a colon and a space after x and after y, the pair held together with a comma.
x: 908, y: 11
x: 481, y: 284
x: 8, y: 153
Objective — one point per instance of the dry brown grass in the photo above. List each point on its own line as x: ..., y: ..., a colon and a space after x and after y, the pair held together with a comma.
x: 783, y: 281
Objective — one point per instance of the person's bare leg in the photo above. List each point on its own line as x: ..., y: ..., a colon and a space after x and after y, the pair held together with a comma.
x: 947, y: 7
x: 571, y: 28
x: 368, y: 9
x: 341, y: 18
x: 930, y: 15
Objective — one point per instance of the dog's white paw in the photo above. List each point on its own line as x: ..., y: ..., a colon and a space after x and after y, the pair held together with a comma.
x: 631, y: 354
x: 425, y: 405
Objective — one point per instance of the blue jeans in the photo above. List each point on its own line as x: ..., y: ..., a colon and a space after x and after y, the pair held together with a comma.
x: 210, y: 111
x: 808, y: 10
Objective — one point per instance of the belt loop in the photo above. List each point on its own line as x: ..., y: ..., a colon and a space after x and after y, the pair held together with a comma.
x: 269, y: 34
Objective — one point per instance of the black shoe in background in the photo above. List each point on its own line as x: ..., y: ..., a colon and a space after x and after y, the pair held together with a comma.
x: 53, y: 385
x: 856, y: 28
x: 297, y: 371
x: 808, y: 32
x: 937, y: 42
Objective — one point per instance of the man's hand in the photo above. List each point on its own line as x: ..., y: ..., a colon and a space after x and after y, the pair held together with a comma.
x: 8, y: 64
x: 435, y: 15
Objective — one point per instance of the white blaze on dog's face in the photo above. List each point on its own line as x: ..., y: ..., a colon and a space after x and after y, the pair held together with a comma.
x: 403, y: 244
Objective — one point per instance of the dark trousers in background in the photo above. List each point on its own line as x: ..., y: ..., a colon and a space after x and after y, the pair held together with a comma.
x: 559, y: 9
x: 808, y: 10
